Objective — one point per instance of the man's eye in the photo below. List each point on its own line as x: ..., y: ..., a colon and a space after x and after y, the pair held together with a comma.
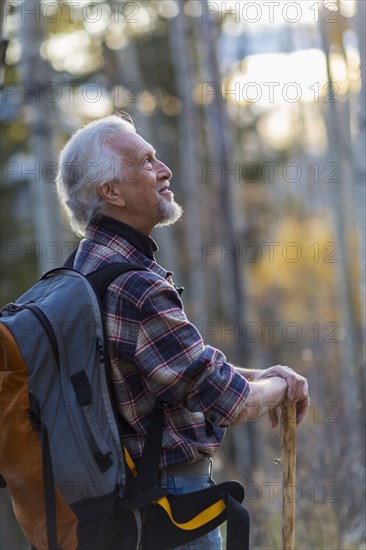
x: 147, y: 160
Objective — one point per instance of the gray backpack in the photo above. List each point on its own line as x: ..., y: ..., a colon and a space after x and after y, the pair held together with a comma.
x: 61, y: 456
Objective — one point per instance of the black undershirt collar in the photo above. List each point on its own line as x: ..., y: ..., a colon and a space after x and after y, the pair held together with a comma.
x: 142, y: 242
x: 139, y: 240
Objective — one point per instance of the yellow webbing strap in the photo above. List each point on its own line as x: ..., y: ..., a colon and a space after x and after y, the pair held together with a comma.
x: 130, y: 462
x: 200, y: 519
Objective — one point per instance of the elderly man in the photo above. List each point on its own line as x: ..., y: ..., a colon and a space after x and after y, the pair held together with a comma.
x: 115, y: 191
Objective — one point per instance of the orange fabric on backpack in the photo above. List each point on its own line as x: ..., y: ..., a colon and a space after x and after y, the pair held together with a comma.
x: 15, y: 463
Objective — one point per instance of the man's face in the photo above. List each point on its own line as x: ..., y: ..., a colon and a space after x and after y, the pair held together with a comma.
x: 144, y: 185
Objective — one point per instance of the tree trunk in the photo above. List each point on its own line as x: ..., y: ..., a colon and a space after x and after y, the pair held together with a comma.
x: 360, y: 180
x: 128, y: 73
x: 41, y: 121
x: 190, y: 164
x: 360, y: 200
x: 341, y: 199
x: 228, y: 224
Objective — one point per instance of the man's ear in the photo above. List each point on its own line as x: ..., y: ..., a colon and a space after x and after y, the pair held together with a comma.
x: 111, y: 193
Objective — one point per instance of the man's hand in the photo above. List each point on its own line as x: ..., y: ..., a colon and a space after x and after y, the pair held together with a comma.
x: 297, y: 385
x: 297, y: 391
x: 301, y: 411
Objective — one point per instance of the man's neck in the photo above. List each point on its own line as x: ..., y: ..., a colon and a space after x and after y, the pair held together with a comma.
x: 137, y: 238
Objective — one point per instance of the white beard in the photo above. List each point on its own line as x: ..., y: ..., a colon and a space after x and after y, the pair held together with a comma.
x: 169, y: 211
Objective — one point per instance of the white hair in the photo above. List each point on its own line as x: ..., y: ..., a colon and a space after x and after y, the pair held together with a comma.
x: 87, y: 162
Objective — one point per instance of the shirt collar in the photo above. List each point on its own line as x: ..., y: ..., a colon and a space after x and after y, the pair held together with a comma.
x: 139, y: 240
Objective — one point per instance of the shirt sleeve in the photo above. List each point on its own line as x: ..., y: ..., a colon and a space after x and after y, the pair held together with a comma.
x: 179, y: 369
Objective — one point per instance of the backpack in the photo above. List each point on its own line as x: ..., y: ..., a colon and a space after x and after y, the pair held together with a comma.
x: 73, y: 486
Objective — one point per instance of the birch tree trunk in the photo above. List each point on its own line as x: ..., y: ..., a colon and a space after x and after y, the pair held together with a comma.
x: 129, y: 74
x: 360, y: 182
x: 228, y: 218
x: 341, y: 200
x: 228, y: 224
x: 190, y: 165
x: 360, y: 190
x: 40, y: 121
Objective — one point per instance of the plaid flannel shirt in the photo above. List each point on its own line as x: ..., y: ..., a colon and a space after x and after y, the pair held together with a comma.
x: 155, y: 352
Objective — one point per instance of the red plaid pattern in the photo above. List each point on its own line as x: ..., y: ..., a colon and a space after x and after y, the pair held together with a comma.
x: 156, y: 353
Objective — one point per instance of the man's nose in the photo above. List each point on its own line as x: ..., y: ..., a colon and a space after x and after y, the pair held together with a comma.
x: 163, y: 171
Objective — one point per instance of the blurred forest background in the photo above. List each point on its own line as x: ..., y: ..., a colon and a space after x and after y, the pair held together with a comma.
x: 259, y: 110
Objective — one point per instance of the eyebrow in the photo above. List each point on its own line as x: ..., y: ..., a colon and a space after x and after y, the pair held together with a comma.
x: 147, y: 151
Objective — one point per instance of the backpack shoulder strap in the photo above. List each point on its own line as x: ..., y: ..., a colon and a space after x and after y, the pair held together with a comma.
x: 70, y: 260
x: 102, y: 278
x: 146, y: 480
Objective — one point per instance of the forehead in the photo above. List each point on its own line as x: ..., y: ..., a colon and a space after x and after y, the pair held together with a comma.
x: 130, y: 144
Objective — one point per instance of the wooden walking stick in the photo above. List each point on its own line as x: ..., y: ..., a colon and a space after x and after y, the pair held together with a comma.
x: 288, y: 451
